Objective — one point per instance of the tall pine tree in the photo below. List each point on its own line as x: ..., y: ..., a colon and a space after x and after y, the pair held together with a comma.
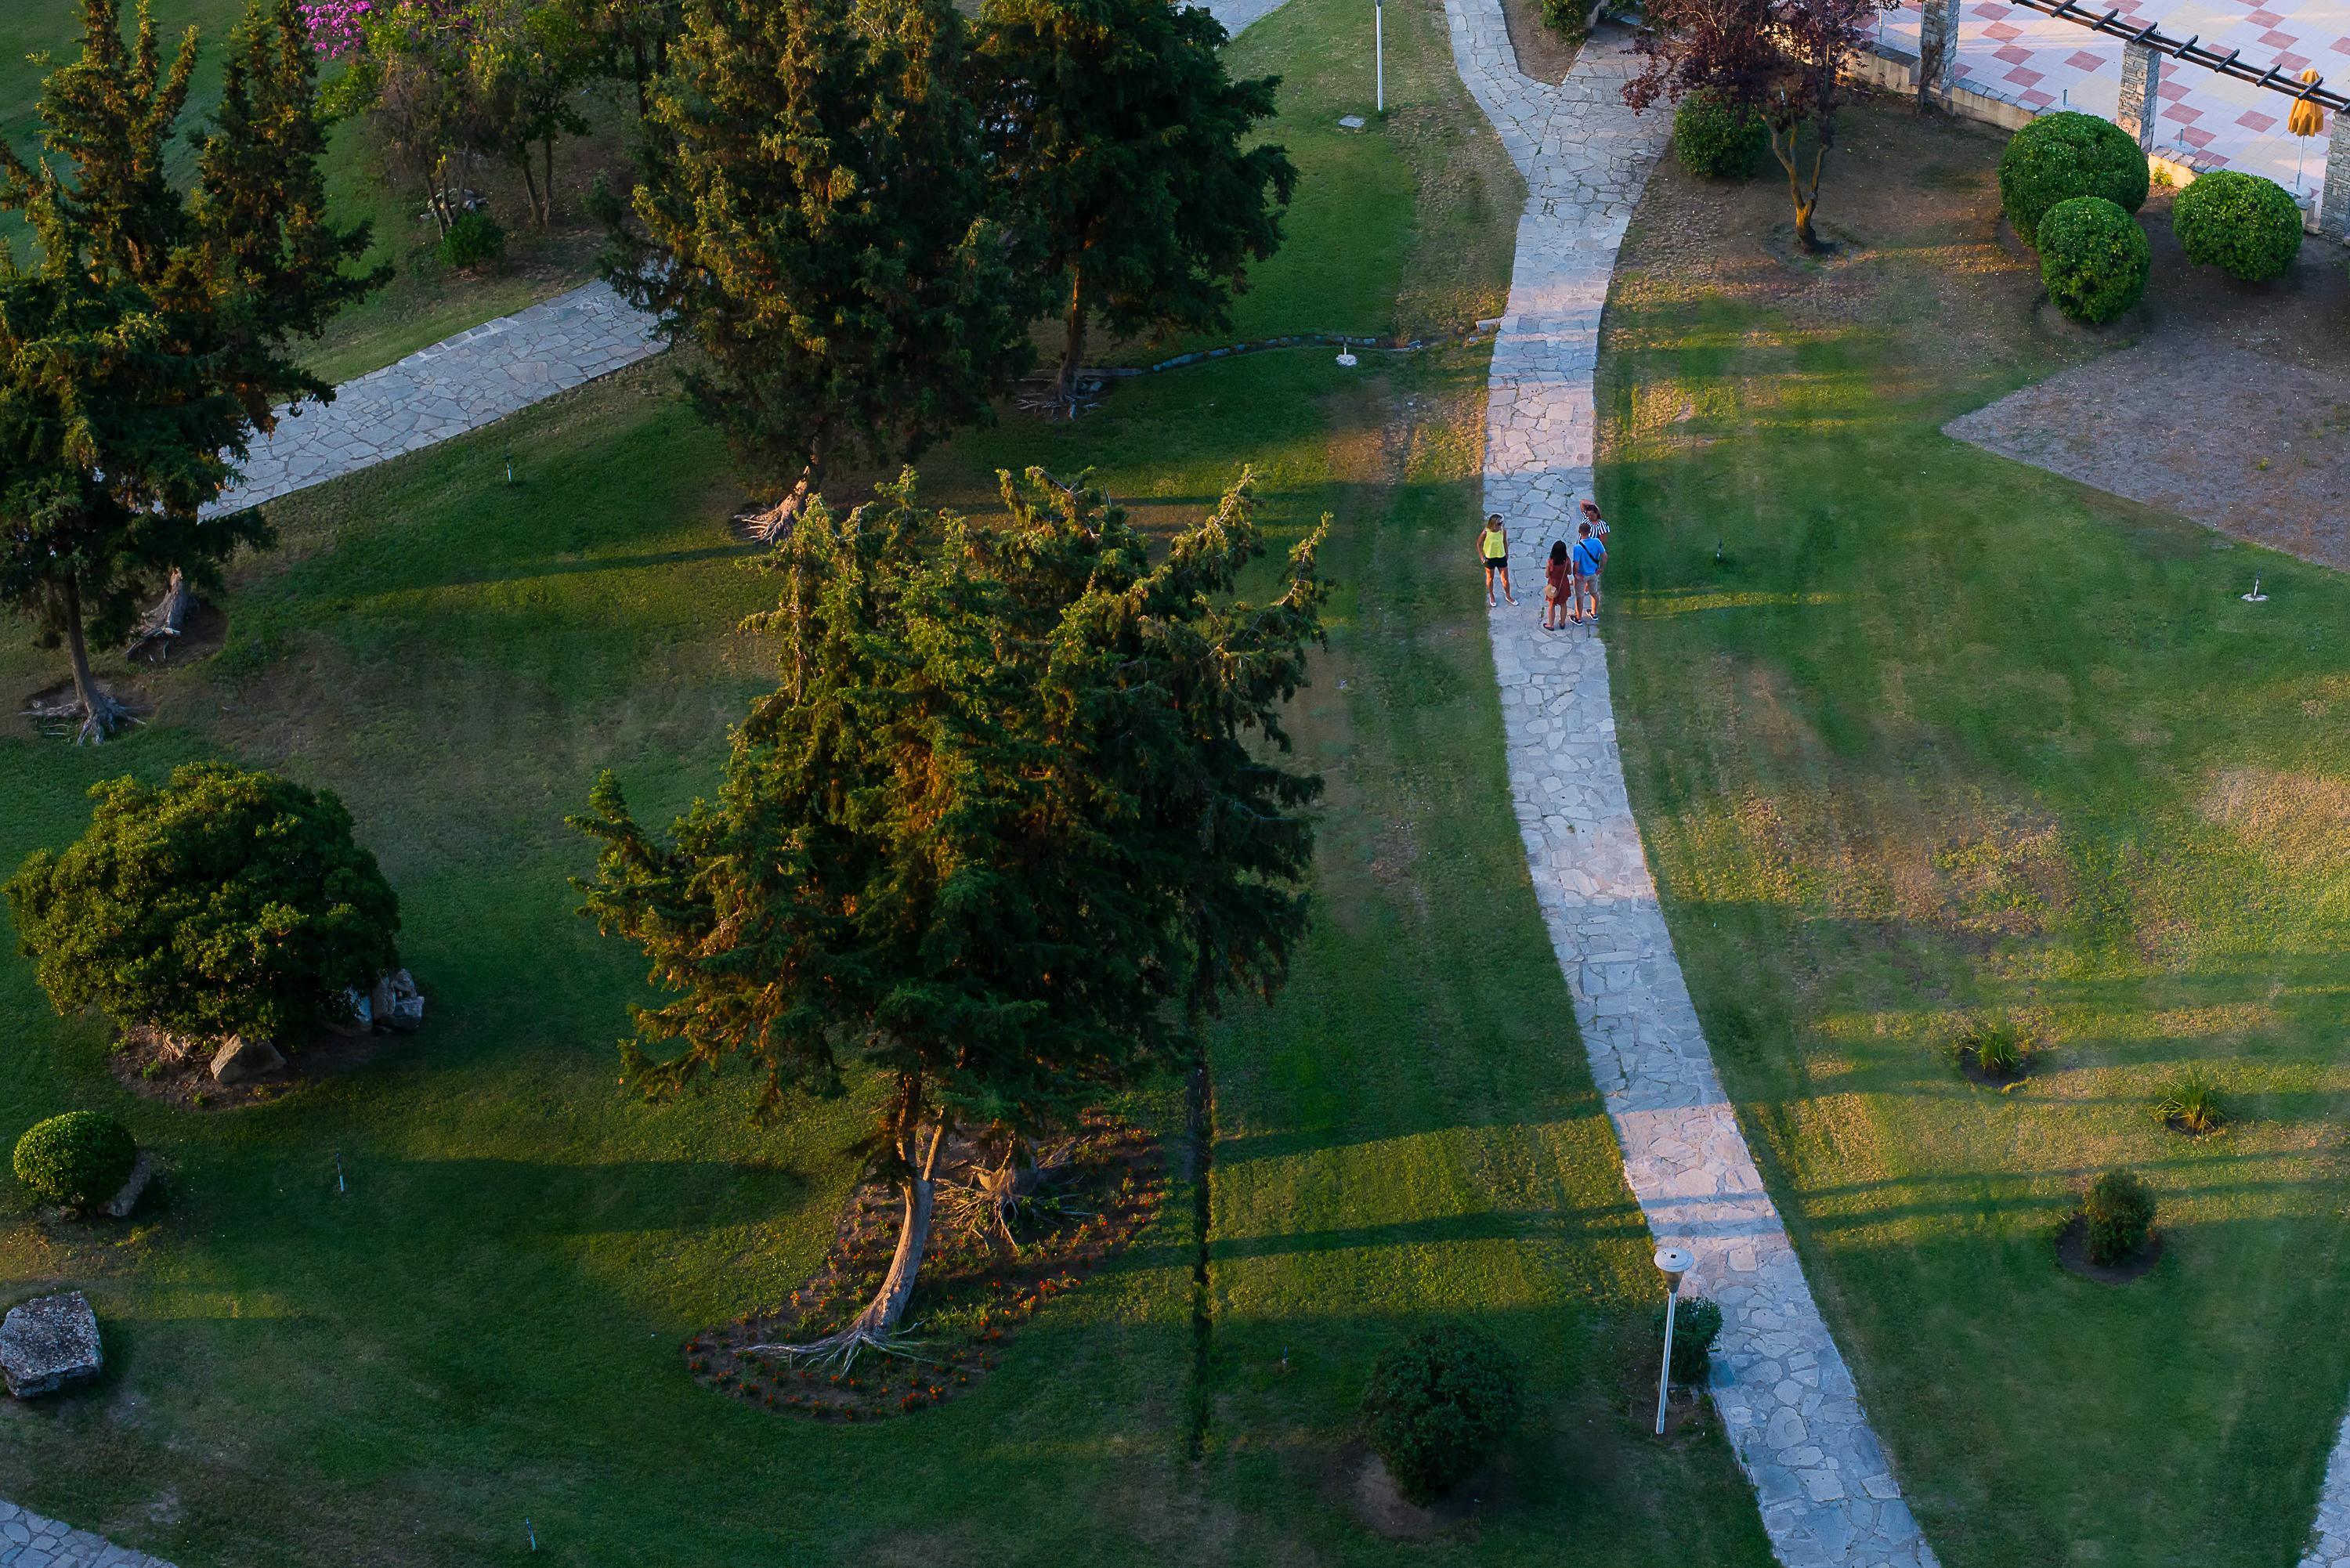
x: 1016, y: 812
x: 1123, y: 162
x: 811, y: 218
x: 146, y: 343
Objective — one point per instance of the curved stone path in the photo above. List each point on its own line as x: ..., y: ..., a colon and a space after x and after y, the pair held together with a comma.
x: 28, y: 1540
x: 460, y: 384
x: 1827, y: 1494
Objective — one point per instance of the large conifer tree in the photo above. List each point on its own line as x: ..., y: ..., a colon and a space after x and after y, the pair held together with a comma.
x: 1017, y: 811
x: 1122, y: 162
x: 147, y: 341
x: 811, y: 220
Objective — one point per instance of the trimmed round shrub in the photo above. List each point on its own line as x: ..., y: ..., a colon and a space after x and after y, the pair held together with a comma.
x: 2119, y: 1215
x: 223, y: 903
x: 1715, y: 141
x: 2094, y: 259
x: 1696, y: 1324
x: 78, y: 1161
x: 1437, y: 1405
x: 474, y: 240
x: 2060, y: 156
x: 2246, y: 225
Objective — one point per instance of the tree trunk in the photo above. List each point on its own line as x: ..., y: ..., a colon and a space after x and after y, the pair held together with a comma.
x: 881, y: 1317
x: 99, y: 712
x: 637, y: 50
x: 1073, y: 351
x: 1805, y: 201
x: 167, y: 617
x: 530, y: 190
x: 546, y: 168
x: 775, y: 524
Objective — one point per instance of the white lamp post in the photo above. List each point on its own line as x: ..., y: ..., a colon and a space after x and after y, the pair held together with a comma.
x: 1672, y: 1263
x: 1380, y: 51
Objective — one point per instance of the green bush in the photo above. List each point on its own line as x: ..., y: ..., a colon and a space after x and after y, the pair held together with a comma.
x: 1437, y: 1405
x: 474, y: 240
x: 2060, y: 156
x: 1565, y: 17
x: 224, y: 903
x: 2247, y: 226
x: 1697, y: 1322
x: 1715, y: 141
x: 2119, y: 1212
x: 78, y: 1161
x: 2094, y: 258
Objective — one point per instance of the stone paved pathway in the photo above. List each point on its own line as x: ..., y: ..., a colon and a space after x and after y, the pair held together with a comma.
x: 2330, y: 1546
x: 1827, y: 1494
x: 28, y: 1540
x: 459, y: 384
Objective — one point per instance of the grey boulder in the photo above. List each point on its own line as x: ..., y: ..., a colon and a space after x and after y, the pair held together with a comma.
x: 239, y: 1059
x: 48, y: 1344
x: 396, y: 1003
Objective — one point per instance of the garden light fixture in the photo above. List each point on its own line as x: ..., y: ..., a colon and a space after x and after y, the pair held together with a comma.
x: 1672, y: 1263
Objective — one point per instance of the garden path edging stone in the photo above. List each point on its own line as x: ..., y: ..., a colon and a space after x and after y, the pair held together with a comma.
x: 1827, y: 1490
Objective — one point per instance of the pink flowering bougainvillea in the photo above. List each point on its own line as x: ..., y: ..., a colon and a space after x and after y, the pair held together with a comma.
x: 337, y: 27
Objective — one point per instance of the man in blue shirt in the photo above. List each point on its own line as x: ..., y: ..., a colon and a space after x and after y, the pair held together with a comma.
x: 1590, y: 558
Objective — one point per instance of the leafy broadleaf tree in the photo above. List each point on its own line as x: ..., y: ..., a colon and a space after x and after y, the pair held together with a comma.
x: 1782, y: 59
x: 633, y: 36
x: 224, y: 903
x: 811, y: 219
x: 147, y: 342
x: 527, y: 63
x: 1016, y: 815
x: 1121, y: 153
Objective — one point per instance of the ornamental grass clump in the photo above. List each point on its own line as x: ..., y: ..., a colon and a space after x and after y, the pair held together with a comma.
x: 2094, y: 258
x: 2191, y: 1103
x: 2058, y: 157
x: 2246, y: 226
x: 1438, y: 1404
x: 1716, y: 141
x: 78, y: 1161
x: 1996, y: 1050
x: 2117, y: 1216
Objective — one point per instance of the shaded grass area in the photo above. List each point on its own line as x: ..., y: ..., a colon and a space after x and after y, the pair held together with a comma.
x: 1947, y: 739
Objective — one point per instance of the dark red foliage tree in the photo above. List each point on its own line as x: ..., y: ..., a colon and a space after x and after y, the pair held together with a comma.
x: 1783, y: 59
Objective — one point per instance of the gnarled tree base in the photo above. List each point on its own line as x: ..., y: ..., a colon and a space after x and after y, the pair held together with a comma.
x: 84, y: 723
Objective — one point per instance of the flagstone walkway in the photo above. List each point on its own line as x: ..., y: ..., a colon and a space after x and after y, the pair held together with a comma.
x: 459, y: 384
x: 28, y: 1540
x: 1827, y: 1493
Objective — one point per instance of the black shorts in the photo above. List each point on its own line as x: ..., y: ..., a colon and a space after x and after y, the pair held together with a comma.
x: 1497, y: 563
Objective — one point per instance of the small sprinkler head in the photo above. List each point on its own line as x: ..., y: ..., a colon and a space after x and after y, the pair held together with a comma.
x: 2256, y: 596
x: 510, y: 465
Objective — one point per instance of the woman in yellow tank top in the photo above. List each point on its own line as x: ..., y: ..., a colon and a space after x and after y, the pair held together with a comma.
x: 1493, y: 549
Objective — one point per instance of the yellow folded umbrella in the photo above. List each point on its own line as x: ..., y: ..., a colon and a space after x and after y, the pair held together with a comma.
x: 2306, y: 119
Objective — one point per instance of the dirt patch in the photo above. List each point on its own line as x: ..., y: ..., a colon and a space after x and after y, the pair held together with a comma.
x: 145, y: 1063
x: 1385, y: 1510
x: 2073, y: 1252
x: 1543, y: 52
x: 2298, y: 822
x: 969, y: 1299
x: 203, y: 633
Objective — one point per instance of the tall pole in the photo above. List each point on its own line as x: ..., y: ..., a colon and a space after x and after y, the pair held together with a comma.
x: 1379, y: 49
x: 1672, y: 1263
x: 1665, y: 1373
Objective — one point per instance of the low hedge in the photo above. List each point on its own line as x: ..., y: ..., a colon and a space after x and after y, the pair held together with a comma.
x: 2247, y: 226
x: 1715, y: 141
x: 2094, y: 259
x: 2118, y: 1213
x: 78, y: 1161
x: 2060, y: 156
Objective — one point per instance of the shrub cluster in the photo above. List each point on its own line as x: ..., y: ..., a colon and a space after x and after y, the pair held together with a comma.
x: 2094, y: 259
x: 2249, y: 226
x: 1438, y: 1404
x: 2060, y: 156
x: 1715, y: 141
x: 78, y: 1161
x: 474, y: 239
x: 2119, y: 1215
x: 1697, y: 1322
x: 224, y: 903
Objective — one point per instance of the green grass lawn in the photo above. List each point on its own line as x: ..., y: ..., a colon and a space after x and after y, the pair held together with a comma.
x: 1948, y: 737
x: 484, y: 1328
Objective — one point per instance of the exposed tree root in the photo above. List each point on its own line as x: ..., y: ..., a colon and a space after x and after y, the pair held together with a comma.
x: 93, y: 722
